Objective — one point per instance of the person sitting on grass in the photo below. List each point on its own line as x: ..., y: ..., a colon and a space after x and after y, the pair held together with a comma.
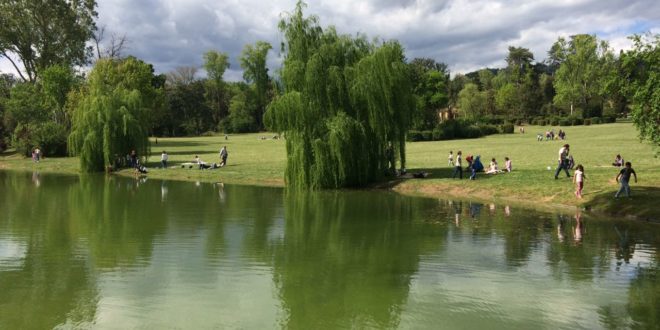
x: 478, y: 166
x: 493, y: 169
x: 618, y: 161
x: 507, y: 164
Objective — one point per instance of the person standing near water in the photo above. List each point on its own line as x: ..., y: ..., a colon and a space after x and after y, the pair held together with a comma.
x: 624, y: 176
x: 458, y: 166
x: 163, y: 159
x: 578, y: 179
x: 223, y: 156
x: 563, y: 164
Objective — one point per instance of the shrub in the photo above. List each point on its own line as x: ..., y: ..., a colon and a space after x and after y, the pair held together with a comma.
x: 472, y: 132
x: 587, y: 122
x: 609, y: 119
x: 554, y: 121
x: 506, y: 128
x: 414, y: 136
x: 595, y: 120
x: 564, y: 122
x: 445, y: 130
x: 540, y: 122
x: 50, y: 137
x: 427, y: 135
x: 575, y: 120
x: 488, y: 129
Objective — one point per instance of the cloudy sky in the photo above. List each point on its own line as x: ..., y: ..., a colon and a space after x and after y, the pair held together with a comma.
x: 465, y: 34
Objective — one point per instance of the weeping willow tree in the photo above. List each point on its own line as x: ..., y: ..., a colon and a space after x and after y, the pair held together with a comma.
x: 346, y: 105
x: 112, y: 115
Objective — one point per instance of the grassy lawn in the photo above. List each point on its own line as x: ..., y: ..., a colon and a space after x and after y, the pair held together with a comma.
x: 532, y: 183
x: 262, y: 162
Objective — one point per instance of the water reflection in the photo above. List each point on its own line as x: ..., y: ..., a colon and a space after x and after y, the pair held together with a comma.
x: 133, y: 253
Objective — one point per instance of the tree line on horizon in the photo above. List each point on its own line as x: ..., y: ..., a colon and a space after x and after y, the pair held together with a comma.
x: 53, y: 104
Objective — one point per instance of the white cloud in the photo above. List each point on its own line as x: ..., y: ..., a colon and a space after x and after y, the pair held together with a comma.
x: 465, y: 34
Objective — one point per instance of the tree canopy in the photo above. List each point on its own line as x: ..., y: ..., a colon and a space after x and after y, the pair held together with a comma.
x: 346, y: 105
x: 42, y: 34
x: 112, y: 118
x: 641, y: 81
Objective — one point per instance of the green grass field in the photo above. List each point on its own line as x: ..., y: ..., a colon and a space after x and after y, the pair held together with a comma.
x: 532, y: 183
x: 262, y: 162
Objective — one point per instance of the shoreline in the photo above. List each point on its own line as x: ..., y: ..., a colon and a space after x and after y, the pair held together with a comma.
x: 426, y: 188
x: 258, y: 162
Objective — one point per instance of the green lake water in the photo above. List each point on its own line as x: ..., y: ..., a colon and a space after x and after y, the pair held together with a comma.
x: 121, y: 253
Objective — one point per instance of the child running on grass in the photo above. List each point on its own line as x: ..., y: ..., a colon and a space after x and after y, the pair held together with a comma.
x: 578, y: 179
x: 624, y: 178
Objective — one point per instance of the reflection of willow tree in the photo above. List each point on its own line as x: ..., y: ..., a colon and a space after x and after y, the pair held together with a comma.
x: 521, y: 237
x: 251, y: 209
x: 118, y: 218
x: 53, y: 284
x: 520, y: 234
x: 346, y: 107
x: 347, y: 258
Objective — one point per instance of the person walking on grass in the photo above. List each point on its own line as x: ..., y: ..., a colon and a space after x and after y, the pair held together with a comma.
x: 451, y: 158
x: 223, y: 156
x: 563, y: 163
x: 624, y: 178
x: 578, y: 179
x: 458, y: 166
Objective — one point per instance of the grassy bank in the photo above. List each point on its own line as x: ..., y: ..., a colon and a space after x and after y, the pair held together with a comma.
x: 261, y: 162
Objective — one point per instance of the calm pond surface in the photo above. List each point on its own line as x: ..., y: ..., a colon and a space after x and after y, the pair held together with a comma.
x: 111, y: 252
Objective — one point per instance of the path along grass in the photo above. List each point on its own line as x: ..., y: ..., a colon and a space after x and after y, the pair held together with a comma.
x: 253, y: 160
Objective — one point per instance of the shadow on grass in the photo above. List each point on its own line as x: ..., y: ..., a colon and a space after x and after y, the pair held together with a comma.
x: 643, y: 203
x: 176, y: 144
x: 9, y: 153
x: 448, y: 173
x: 434, y: 173
x: 192, y: 153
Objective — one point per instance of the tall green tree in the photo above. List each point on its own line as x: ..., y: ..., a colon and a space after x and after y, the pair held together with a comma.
x: 45, y: 33
x: 346, y: 107
x: 429, y: 80
x: 253, y: 62
x: 640, y: 81
x: 112, y: 117
x: 56, y: 82
x: 215, y: 64
x: 471, y: 102
x: 579, y: 79
x: 7, y: 81
x: 518, y: 62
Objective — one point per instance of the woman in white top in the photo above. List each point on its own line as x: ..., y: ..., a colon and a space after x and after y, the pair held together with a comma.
x: 493, y: 169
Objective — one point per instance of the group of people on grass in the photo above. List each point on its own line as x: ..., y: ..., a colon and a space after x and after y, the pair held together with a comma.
x: 133, y: 161
x: 199, y: 163
x: 565, y: 162
x: 474, y: 165
x: 550, y: 135
x: 623, y: 177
